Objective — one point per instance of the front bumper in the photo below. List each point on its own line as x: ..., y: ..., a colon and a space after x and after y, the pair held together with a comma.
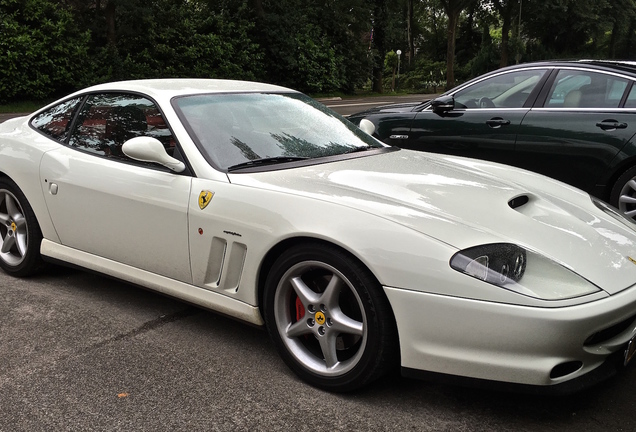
x: 529, y: 346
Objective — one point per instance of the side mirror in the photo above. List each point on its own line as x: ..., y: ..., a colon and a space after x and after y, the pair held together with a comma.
x: 148, y: 149
x: 367, y: 127
x: 443, y: 104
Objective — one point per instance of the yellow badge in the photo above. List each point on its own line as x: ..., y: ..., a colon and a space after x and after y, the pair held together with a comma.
x: 204, y: 199
x: 13, y: 226
x: 631, y: 259
x: 320, y: 318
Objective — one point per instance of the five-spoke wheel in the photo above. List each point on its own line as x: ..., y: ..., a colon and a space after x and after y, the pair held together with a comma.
x: 20, y: 235
x: 329, y: 318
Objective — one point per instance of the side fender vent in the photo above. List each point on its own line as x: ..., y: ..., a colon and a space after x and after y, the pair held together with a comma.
x: 517, y: 202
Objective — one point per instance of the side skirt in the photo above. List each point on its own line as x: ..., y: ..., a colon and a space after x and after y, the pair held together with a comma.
x: 173, y: 288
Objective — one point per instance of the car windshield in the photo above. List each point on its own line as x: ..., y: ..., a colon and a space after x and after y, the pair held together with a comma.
x: 235, y: 130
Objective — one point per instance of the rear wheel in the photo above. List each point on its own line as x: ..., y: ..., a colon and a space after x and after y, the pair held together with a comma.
x: 623, y: 194
x: 20, y: 235
x: 329, y: 318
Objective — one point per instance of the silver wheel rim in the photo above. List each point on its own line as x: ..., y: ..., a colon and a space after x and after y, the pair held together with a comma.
x: 627, y: 199
x: 330, y: 338
x: 13, y: 229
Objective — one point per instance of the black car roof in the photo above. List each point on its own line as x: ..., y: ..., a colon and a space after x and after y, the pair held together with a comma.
x: 617, y: 65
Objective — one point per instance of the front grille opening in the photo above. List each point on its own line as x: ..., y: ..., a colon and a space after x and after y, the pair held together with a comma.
x: 518, y: 201
x: 610, y: 332
x: 566, y: 368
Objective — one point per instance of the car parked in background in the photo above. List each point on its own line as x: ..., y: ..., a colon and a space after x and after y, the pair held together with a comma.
x: 574, y: 121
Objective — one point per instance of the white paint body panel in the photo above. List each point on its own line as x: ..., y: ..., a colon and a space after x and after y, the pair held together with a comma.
x: 402, y: 214
x: 126, y: 213
x: 463, y: 202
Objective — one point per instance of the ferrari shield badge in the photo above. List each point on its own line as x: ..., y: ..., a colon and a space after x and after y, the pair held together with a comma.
x: 204, y: 199
x: 632, y: 260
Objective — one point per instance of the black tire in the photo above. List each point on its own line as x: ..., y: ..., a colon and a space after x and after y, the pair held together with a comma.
x: 20, y: 235
x: 329, y: 318
x: 623, y: 195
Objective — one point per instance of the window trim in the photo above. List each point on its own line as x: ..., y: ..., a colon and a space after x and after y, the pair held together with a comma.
x: 75, y: 117
x: 541, y: 101
x: 267, y: 168
x: 529, y: 103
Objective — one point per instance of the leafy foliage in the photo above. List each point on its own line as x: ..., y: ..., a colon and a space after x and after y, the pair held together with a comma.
x: 43, y: 51
x: 49, y: 47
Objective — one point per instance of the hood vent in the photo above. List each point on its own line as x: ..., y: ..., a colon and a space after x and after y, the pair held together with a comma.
x: 517, y: 202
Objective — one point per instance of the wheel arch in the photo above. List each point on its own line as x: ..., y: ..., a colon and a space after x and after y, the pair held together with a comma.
x: 614, y: 175
x: 22, y: 256
x: 35, y: 198
x: 271, y: 256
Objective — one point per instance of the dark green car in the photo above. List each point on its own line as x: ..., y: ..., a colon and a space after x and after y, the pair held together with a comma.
x: 573, y: 121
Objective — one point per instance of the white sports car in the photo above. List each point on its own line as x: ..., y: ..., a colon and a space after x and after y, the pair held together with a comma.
x: 257, y: 202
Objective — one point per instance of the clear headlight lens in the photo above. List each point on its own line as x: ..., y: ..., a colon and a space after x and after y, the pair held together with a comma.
x: 514, y: 268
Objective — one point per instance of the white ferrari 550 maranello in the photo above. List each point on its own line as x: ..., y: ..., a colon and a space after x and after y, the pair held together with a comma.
x: 257, y: 202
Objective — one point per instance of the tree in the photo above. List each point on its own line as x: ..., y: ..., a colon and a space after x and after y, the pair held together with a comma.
x: 380, y: 26
x: 620, y: 24
x: 505, y: 9
x: 567, y: 28
x: 43, y: 50
x: 453, y: 9
x: 410, y: 31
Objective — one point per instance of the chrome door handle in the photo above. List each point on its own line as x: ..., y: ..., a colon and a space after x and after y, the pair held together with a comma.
x: 611, y: 125
x: 497, y: 122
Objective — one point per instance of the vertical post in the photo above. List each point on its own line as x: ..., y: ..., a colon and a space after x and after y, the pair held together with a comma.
x: 399, y: 53
x: 518, y: 57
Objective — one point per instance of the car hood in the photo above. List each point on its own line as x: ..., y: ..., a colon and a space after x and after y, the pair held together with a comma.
x: 388, y: 109
x: 465, y: 202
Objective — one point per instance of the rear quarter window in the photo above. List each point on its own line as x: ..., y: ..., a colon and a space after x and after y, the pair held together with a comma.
x: 55, y: 121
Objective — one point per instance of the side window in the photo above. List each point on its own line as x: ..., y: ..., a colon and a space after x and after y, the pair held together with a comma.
x: 509, y: 90
x: 586, y: 89
x: 55, y: 122
x: 107, y: 121
x: 631, y: 98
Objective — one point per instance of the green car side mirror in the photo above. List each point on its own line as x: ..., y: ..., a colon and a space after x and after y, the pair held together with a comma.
x: 443, y: 104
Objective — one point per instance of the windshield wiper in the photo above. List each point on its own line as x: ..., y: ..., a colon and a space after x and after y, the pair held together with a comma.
x: 266, y: 161
x: 360, y: 149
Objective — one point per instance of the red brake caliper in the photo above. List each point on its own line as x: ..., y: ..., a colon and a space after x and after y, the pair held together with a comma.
x: 300, y: 309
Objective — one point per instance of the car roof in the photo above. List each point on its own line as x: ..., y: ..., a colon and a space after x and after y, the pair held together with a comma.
x: 168, y: 88
x: 616, y: 65
x: 622, y: 65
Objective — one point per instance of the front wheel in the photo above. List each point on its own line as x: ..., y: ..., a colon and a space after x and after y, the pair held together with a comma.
x: 329, y: 318
x: 623, y: 194
x: 20, y: 234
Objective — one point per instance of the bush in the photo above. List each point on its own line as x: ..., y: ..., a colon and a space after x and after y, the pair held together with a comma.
x: 44, y: 51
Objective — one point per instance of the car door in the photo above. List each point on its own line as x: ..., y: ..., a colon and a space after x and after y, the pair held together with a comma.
x: 578, y: 128
x: 485, y: 118
x: 105, y: 204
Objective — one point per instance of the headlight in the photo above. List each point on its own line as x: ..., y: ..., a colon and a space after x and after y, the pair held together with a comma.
x: 514, y: 268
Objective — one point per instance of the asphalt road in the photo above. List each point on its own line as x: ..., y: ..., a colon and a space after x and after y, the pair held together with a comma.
x: 83, y: 352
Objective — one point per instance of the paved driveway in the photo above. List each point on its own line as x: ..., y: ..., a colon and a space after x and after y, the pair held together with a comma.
x: 83, y: 352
